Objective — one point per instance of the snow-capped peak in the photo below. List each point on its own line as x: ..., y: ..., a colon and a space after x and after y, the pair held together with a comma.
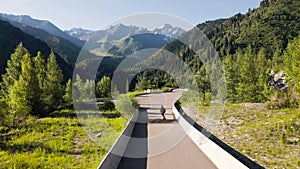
x: 169, y: 30
x: 79, y: 32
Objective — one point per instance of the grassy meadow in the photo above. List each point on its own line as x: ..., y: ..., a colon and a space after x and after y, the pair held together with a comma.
x: 269, y: 137
x: 57, y: 142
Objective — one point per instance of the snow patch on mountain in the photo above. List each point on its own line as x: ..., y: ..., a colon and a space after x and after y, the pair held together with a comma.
x: 169, y: 30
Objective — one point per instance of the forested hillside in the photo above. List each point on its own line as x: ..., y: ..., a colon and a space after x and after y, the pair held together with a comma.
x: 11, y: 36
x: 66, y: 49
x: 252, y: 47
x: 38, y: 127
x: 41, y: 24
x: 31, y: 86
x: 139, y: 42
x: 270, y: 26
x: 260, y: 54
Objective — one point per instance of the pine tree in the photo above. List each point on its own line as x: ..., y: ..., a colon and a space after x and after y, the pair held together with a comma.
x: 262, y: 66
x: 83, y: 91
x: 40, y: 68
x: 203, y: 82
x: 78, y: 89
x: 13, y: 69
x: 52, y: 88
x: 246, y: 88
x: 292, y: 70
x: 104, y: 87
x: 68, y: 94
x: 18, y: 104
x: 22, y: 98
x: 277, y: 60
x: 31, y: 84
x: 142, y: 83
x: 232, y: 77
x: 89, y: 89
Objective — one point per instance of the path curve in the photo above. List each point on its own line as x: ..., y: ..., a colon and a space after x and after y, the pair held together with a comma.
x: 168, y: 145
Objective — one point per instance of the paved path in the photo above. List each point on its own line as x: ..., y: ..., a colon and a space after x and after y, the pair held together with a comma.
x: 168, y: 146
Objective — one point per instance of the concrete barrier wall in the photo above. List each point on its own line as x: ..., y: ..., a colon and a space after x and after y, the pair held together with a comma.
x: 114, y: 156
x: 222, y: 155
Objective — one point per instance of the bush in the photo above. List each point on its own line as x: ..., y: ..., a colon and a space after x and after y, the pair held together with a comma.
x: 166, y: 89
x: 63, y: 113
x: 126, y: 105
x: 133, y: 101
x: 108, y: 105
x: 282, y: 100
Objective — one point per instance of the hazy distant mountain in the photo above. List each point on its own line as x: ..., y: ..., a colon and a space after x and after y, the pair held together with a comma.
x: 169, y: 30
x: 41, y: 24
x: 119, y: 41
x: 139, y: 42
x: 82, y: 34
x: 104, y: 40
x: 120, y: 31
x: 112, y: 39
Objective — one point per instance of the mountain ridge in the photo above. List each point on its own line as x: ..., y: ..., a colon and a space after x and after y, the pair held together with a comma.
x: 11, y: 36
x: 80, y: 33
x: 165, y: 29
x: 168, y: 30
x: 67, y: 50
x: 110, y: 39
x: 272, y: 25
x: 138, y: 42
x: 41, y: 24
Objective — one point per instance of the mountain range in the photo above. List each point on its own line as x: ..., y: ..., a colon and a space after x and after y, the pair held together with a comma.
x: 41, y: 24
x: 117, y: 37
x: 68, y: 43
x: 39, y: 34
x: 168, y: 30
x: 63, y: 44
x: 120, y: 31
x: 11, y: 36
x: 79, y: 33
x: 271, y: 26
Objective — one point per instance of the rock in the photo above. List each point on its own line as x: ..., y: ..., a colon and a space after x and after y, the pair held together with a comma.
x: 278, y: 81
x: 99, y: 135
x: 292, y: 140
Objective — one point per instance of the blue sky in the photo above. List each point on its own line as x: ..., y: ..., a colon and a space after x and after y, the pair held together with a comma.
x: 94, y: 14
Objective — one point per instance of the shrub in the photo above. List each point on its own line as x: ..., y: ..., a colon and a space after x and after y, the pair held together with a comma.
x: 126, y: 105
x: 108, y: 105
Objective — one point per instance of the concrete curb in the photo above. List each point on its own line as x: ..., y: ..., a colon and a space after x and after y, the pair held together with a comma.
x: 111, y: 160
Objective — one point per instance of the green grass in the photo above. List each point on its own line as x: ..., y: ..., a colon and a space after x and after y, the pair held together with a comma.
x: 134, y: 93
x: 269, y: 137
x: 58, y: 142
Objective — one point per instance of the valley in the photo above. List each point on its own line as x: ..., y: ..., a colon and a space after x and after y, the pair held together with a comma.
x: 64, y: 93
